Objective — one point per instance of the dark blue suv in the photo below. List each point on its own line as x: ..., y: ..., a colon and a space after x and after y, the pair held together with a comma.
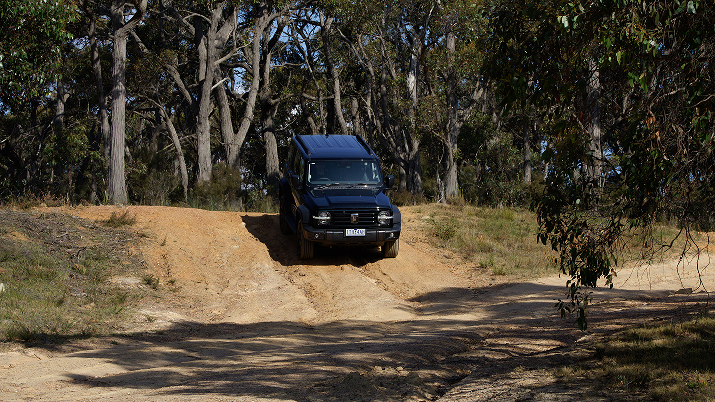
x: 333, y: 193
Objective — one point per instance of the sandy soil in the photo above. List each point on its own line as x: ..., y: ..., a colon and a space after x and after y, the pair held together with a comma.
x: 248, y: 321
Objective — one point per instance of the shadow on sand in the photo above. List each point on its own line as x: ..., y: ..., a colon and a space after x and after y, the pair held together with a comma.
x: 284, y: 248
x: 358, y: 360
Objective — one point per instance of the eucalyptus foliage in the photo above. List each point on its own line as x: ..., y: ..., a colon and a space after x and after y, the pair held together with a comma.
x: 657, y: 95
x: 33, y: 32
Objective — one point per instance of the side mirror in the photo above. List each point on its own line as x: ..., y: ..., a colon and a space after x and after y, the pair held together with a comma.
x: 389, y: 181
x: 295, y: 181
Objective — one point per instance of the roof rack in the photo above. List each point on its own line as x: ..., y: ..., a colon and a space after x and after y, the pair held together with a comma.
x: 299, y: 138
x: 364, y: 145
x: 339, y: 145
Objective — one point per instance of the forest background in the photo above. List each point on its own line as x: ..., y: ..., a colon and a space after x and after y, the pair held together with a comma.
x: 598, y: 114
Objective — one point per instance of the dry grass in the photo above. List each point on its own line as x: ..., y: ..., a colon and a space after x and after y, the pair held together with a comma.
x: 674, y: 362
x: 503, y: 240
x: 55, y: 272
x: 120, y: 220
x: 500, y: 240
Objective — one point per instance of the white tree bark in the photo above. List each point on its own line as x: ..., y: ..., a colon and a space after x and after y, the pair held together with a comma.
x: 117, y: 189
x: 207, y: 60
x: 594, y: 165
x: 456, y: 116
x: 105, y: 128
x: 179, y: 152
x: 333, y: 75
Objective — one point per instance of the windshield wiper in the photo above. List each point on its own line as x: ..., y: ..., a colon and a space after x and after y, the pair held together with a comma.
x: 322, y: 186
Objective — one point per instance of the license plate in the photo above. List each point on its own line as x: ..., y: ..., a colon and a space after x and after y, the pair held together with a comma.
x: 354, y: 232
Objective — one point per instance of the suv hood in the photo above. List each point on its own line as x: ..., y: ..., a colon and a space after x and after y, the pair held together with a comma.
x: 351, y: 198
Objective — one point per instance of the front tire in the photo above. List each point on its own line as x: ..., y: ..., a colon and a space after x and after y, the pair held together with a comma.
x: 306, y: 247
x: 285, y: 229
x: 391, y: 248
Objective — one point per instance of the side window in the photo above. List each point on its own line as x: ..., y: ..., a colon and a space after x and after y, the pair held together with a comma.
x: 289, y: 162
x: 298, y: 166
x: 375, y: 172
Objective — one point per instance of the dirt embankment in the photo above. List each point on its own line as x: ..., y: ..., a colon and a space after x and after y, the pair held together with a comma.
x: 247, y: 320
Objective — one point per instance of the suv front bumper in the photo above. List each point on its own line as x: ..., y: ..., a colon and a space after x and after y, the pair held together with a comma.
x: 336, y: 236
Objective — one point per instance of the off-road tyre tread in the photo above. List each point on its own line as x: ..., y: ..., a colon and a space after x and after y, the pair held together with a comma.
x: 391, y: 249
x: 306, y: 247
x: 283, y: 223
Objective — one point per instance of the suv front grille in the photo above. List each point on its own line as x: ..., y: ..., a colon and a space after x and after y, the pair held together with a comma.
x: 364, y: 218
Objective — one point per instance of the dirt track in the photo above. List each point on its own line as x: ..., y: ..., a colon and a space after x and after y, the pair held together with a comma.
x: 252, y: 322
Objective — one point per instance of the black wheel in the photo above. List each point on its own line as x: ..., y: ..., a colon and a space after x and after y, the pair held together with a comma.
x: 391, y: 248
x: 285, y: 229
x: 306, y: 247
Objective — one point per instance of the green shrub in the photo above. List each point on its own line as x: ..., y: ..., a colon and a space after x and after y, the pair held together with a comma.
x: 119, y: 220
x: 259, y: 201
x: 445, y: 229
x: 404, y: 197
x: 221, y: 193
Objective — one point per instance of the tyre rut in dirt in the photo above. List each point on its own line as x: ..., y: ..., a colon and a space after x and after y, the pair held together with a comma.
x: 306, y: 247
x: 390, y: 249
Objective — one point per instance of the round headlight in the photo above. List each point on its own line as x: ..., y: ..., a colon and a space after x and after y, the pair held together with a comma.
x: 323, y: 218
x: 384, y: 217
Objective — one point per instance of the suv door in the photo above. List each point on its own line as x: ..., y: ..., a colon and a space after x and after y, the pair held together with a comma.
x: 297, y: 169
x: 287, y: 194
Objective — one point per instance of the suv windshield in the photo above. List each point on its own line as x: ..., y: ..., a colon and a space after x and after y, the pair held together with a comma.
x: 357, y: 172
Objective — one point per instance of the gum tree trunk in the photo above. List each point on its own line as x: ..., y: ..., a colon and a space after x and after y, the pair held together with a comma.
x: 594, y: 166
x: 117, y: 189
